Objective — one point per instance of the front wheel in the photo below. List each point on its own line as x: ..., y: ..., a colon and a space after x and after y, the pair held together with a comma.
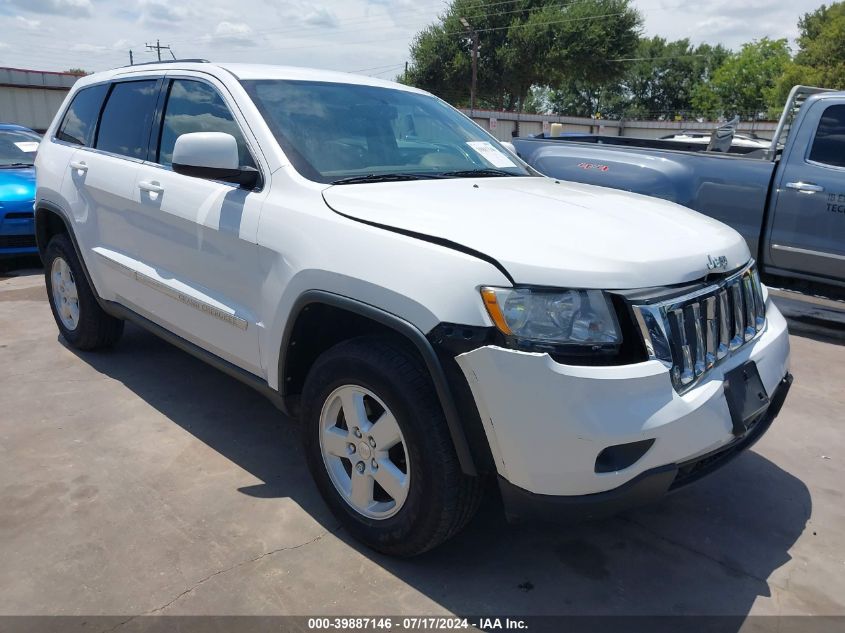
x: 379, y: 449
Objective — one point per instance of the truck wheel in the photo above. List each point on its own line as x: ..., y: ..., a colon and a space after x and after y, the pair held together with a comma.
x: 81, y: 320
x: 379, y: 449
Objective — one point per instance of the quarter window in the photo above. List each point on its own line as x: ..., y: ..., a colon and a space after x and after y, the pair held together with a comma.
x: 194, y: 106
x: 80, y: 120
x: 829, y: 144
x: 127, y: 117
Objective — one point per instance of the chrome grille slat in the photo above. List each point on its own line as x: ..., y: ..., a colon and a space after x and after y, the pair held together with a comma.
x: 710, y: 332
x: 759, y: 304
x: 698, y: 365
x: 738, y: 316
x: 750, y: 309
x: 724, y: 331
x: 691, y: 334
x: 687, y: 374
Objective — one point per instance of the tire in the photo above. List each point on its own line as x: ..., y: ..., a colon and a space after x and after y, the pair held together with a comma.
x: 440, y: 499
x: 80, y: 319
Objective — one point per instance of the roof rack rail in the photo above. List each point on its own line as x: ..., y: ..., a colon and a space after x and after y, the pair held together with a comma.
x: 171, y: 61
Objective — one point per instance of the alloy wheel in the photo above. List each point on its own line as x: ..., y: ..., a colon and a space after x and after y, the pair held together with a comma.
x: 65, y: 296
x: 364, y: 452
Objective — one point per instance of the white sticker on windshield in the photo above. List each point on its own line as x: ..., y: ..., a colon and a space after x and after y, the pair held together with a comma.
x: 491, y: 154
x: 27, y: 146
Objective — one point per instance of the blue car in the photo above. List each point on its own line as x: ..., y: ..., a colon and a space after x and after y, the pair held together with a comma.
x: 18, y: 145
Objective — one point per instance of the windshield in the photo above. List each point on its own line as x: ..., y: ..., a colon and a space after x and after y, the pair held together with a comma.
x: 17, y: 148
x: 333, y: 132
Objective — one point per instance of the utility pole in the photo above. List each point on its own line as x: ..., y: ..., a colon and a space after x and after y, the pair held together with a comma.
x: 157, y: 47
x: 474, y: 85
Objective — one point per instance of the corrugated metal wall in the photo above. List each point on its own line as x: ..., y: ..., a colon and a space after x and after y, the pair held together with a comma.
x: 31, y: 97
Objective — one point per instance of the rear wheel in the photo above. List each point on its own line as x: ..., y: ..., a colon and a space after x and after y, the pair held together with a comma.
x: 379, y: 449
x: 81, y: 320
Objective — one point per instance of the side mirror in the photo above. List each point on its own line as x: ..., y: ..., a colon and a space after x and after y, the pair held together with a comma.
x: 509, y: 146
x: 212, y: 156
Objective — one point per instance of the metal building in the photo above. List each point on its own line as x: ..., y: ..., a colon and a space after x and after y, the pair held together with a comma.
x: 32, y: 97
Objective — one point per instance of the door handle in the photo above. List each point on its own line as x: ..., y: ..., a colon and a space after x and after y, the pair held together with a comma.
x: 152, y: 187
x: 805, y: 187
x: 79, y: 165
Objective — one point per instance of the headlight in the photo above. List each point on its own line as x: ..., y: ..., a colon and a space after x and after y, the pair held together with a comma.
x: 562, y: 317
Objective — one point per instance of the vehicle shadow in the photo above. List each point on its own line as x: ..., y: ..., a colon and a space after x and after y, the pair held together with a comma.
x: 19, y: 265
x: 708, y: 549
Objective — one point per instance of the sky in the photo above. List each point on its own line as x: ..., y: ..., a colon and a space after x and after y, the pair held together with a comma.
x: 367, y: 36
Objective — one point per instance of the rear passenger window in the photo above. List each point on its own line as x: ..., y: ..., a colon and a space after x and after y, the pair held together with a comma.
x: 80, y: 120
x: 194, y: 106
x: 127, y: 117
x: 829, y: 145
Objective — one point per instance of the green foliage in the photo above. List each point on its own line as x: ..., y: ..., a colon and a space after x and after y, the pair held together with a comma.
x: 746, y: 83
x: 522, y: 44
x: 663, y: 81
x: 821, y: 44
x: 820, y: 60
x: 585, y: 58
x: 587, y: 99
x: 658, y: 82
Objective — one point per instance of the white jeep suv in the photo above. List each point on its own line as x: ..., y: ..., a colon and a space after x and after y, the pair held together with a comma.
x: 432, y: 310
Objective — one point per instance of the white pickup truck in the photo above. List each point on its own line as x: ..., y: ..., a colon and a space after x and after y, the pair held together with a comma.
x: 433, y: 311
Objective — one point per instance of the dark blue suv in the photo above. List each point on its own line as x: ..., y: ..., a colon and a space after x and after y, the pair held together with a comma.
x: 18, y: 145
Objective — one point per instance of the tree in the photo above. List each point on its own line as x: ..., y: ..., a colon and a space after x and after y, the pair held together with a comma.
x: 77, y: 71
x: 820, y: 60
x: 821, y: 44
x: 662, y: 81
x: 523, y: 44
x: 585, y: 98
x: 746, y: 84
x: 658, y: 83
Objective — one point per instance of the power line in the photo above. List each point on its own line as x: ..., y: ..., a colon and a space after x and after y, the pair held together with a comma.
x: 301, y: 30
x: 393, y: 70
x: 487, y: 30
x: 363, y: 70
x: 107, y: 54
x: 660, y: 58
x: 528, y: 24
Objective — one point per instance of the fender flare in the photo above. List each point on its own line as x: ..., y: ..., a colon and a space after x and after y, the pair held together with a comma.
x: 42, y: 208
x: 408, y: 331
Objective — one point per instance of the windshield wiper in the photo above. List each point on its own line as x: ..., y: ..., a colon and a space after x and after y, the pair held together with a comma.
x: 476, y: 173
x: 397, y: 177
x: 18, y: 165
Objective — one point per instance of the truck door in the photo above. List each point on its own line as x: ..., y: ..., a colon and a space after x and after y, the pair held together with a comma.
x: 808, y: 223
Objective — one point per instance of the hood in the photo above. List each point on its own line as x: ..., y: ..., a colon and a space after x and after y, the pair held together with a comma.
x: 17, y: 185
x: 552, y: 234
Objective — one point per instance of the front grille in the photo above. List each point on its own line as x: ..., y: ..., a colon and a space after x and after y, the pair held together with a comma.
x: 17, y: 241
x: 693, y: 333
x: 19, y: 215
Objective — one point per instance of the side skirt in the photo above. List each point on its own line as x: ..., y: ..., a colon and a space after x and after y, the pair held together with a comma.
x: 251, y: 380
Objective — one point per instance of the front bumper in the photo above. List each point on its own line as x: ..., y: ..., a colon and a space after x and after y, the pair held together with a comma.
x: 17, y: 230
x: 546, y: 423
x: 645, y: 488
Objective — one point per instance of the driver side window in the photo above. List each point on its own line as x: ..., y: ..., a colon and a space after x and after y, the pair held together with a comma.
x: 194, y: 106
x: 829, y: 144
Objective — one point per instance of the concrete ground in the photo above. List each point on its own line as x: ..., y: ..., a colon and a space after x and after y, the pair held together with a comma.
x: 141, y: 481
